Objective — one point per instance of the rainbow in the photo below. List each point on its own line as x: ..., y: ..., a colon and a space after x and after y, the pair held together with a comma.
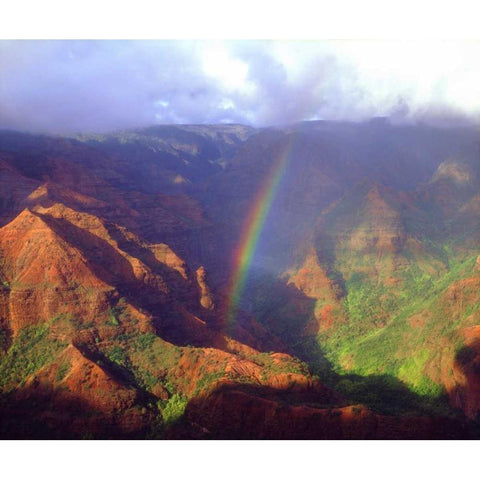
x: 251, y: 230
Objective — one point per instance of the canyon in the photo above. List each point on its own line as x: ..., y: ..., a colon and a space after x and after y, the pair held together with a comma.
x: 359, y: 310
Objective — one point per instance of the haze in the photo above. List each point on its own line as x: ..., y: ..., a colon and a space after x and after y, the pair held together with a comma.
x: 97, y: 86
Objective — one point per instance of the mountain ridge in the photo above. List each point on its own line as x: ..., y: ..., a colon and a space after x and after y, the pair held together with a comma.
x: 116, y: 253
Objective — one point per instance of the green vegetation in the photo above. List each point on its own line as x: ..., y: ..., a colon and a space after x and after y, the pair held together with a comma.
x: 173, y: 409
x: 4, y: 337
x: 385, y: 394
x: 31, y: 350
x: 275, y: 366
x: 412, y: 372
x: 62, y: 371
x: 144, y: 342
x: 399, y: 313
x: 396, y: 348
x: 112, y: 319
x: 147, y: 360
x: 367, y: 304
x: 145, y: 378
x: 117, y: 355
x: 207, y: 380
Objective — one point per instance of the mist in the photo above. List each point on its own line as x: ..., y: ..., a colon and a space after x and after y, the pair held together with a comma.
x: 98, y: 86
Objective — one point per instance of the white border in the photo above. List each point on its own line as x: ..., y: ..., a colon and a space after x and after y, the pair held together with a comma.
x: 189, y: 19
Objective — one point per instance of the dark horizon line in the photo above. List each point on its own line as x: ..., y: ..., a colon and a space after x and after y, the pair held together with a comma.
x: 443, y: 123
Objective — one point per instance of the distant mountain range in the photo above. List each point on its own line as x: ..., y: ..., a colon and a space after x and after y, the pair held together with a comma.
x: 314, y: 281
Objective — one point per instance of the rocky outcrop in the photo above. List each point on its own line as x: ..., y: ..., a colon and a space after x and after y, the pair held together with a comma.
x: 206, y: 297
x: 312, y: 280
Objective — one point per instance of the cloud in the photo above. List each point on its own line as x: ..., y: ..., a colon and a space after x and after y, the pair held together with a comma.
x: 68, y: 86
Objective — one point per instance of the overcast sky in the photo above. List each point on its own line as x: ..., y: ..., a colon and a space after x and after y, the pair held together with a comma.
x: 96, y: 86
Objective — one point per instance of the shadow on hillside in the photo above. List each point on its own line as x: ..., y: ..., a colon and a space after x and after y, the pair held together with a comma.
x: 107, y: 263
x: 248, y: 412
x: 325, y: 251
x: 467, y: 361
x: 228, y: 411
x: 287, y: 312
x: 41, y: 412
x: 283, y: 310
x: 235, y: 411
x: 172, y: 300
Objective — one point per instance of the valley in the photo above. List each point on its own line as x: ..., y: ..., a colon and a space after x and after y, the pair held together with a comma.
x: 312, y: 281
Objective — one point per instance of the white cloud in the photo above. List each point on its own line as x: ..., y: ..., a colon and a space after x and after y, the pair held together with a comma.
x: 63, y: 86
x: 219, y: 64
